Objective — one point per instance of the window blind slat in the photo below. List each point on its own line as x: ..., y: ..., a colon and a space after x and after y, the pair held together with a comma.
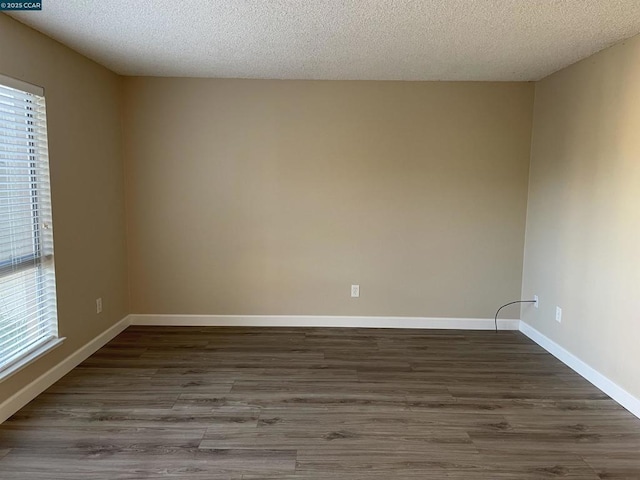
x: 21, y: 341
x: 12, y: 91
x: 15, y: 105
x: 28, y: 316
x: 23, y: 348
x: 30, y: 321
x: 19, y: 355
x: 15, y: 290
x: 23, y: 333
x: 40, y: 298
x: 22, y: 128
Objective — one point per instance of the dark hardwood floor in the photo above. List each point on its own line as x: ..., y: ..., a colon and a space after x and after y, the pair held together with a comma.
x: 294, y: 404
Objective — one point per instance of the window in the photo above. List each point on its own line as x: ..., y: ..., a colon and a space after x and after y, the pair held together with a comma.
x: 28, y: 316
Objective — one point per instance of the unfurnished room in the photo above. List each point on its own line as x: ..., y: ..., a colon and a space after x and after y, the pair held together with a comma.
x: 320, y: 239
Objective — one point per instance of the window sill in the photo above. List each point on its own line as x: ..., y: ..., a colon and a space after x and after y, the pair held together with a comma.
x: 30, y: 358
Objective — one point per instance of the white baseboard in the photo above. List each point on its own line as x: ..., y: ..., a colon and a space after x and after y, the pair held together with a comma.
x: 616, y: 392
x: 44, y: 381
x: 322, y: 321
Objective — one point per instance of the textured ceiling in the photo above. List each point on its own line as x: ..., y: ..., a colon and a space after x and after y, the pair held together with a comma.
x: 338, y: 39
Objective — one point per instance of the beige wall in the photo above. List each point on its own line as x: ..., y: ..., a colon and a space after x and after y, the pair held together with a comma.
x: 583, y: 222
x: 272, y: 197
x: 84, y: 124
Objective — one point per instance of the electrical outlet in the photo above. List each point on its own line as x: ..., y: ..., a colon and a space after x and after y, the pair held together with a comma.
x: 536, y: 303
x: 98, y: 305
x: 355, y: 291
x: 558, y: 314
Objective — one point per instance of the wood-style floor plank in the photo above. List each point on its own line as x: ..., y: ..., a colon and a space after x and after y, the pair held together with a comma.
x: 312, y: 404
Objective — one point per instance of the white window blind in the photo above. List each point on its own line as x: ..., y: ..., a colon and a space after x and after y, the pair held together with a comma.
x: 28, y: 315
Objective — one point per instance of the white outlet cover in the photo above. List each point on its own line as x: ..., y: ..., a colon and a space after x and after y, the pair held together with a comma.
x: 537, y: 303
x: 355, y: 291
x: 558, y: 314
